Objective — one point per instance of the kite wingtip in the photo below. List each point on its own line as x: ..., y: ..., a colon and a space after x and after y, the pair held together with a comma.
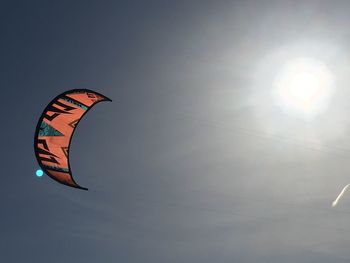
x: 106, y: 98
x: 80, y: 187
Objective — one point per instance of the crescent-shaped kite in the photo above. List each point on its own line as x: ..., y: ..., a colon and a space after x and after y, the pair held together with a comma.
x: 55, y: 129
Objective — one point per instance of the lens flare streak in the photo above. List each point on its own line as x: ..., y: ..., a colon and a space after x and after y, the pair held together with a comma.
x: 335, y: 202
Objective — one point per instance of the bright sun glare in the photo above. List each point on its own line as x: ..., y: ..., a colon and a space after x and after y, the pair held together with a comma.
x: 303, y: 86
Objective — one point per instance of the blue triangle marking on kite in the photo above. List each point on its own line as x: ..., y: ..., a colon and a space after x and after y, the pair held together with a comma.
x: 48, y: 130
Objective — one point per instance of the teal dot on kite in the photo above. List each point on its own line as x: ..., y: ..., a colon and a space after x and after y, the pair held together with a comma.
x: 39, y: 173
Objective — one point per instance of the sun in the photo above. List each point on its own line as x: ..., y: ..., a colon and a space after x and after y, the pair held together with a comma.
x: 303, y: 86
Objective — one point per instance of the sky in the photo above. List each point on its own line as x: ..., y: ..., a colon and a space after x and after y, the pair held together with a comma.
x: 193, y: 161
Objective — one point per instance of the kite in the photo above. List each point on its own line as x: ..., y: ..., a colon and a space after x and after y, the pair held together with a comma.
x: 55, y: 129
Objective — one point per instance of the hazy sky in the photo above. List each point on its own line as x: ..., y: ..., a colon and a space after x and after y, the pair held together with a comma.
x: 192, y: 161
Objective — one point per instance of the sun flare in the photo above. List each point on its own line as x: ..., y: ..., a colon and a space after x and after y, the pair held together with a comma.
x: 303, y: 86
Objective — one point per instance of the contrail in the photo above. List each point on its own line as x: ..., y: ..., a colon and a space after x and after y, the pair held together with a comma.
x: 335, y: 202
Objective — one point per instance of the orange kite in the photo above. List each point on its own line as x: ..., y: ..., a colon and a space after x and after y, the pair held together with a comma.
x: 55, y: 128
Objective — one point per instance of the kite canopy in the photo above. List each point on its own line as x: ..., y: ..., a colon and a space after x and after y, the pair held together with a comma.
x: 55, y: 129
